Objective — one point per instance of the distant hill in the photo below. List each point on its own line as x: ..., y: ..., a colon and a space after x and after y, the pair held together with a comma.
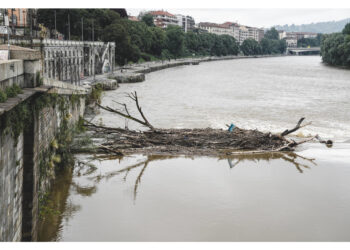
x: 322, y: 27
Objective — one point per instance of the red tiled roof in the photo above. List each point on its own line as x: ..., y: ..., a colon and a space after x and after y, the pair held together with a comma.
x: 161, y: 13
x: 227, y: 24
x: 133, y: 18
x: 213, y: 25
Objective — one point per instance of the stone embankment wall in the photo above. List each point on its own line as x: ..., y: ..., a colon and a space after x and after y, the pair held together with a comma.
x: 11, y: 183
x: 136, y: 72
x: 26, y: 159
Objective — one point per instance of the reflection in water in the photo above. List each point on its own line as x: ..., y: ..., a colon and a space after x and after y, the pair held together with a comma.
x: 289, y: 157
x: 201, y: 198
x: 233, y: 161
x: 58, y: 207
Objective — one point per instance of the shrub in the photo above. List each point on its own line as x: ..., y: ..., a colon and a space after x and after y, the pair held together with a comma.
x: 13, y: 91
x: 17, y: 89
x: 95, y: 95
x: 3, y: 96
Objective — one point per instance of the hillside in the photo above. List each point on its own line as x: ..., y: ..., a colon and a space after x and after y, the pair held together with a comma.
x: 321, y: 27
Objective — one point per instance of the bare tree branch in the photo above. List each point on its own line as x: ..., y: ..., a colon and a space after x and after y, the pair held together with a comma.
x: 127, y: 115
x: 298, y: 126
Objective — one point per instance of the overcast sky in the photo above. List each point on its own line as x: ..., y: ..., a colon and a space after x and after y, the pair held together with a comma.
x: 259, y: 17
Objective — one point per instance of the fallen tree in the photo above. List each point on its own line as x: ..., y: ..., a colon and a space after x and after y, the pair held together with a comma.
x: 206, y: 141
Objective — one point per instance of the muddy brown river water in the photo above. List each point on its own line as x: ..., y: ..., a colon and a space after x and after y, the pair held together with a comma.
x: 269, y: 197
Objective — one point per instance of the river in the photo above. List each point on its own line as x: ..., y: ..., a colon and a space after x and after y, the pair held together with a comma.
x: 296, y: 197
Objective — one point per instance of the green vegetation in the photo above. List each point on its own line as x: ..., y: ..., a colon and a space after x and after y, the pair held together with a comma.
x: 137, y: 41
x: 250, y: 47
x: 142, y: 41
x: 13, y: 91
x: 272, y: 34
x: 3, y: 96
x: 148, y: 19
x: 335, y: 48
x: 10, y: 92
x: 270, y: 44
x: 312, y: 42
x: 95, y: 95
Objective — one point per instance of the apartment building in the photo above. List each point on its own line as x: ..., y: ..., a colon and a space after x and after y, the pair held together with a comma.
x: 296, y: 35
x: 20, y: 21
x: 218, y: 29
x: 162, y: 18
x: 239, y: 32
x: 186, y: 22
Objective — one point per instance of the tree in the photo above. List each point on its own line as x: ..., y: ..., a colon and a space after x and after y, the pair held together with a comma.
x: 148, y: 20
x: 250, y: 47
x: 158, y: 41
x: 175, y: 40
x: 346, y: 30
x: 334, y: 49
x: 125, y: 51
x: 272, y: 34
x: 266, y: 46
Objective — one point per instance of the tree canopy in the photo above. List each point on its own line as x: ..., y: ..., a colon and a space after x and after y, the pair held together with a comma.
x: 148, y: 20
x: 142, y: 41
x: 272, y: 34
x: 251, y: 47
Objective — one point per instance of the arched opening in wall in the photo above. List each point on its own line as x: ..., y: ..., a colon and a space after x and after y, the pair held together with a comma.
x: 98, y: 65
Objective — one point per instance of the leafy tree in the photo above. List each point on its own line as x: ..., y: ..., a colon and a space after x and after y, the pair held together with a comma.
x: 335, y: 49
x: 148, y: 20
x: 250, y: 47
x: 158, y: 41
x: 124, y: 50
x: 272, y: 34
x: 346, y: 30
x: 175, y: 40
x: 312, y: 42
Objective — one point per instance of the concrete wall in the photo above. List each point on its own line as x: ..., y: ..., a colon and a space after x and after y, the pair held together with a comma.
x: 11, y: 71
x: 21, y: 72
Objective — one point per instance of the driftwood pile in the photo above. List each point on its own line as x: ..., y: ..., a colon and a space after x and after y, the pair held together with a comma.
x: 206, y: 141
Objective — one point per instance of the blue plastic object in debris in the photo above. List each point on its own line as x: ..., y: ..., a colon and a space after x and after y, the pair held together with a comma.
x: 232, y: 126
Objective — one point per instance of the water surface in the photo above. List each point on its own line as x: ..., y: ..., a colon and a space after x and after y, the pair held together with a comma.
x: 270, y: 197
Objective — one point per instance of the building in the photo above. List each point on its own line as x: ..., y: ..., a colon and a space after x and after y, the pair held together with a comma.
x: 255, y: 33
x: 186, y: 22
x: 296, y: 35
x: 293, y: 37
x: 243, y: 34
x: 218, y: 29
x: 239, y: 32
x: 20, y: 21
x: 291, y: 42
x: 162, y: 18
x: 133, y: 18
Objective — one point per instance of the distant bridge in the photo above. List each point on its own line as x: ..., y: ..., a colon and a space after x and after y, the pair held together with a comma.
x: 303, y: 51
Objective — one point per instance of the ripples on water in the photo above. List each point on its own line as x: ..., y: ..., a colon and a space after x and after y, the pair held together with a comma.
x: 269, y: 94
x: 304, y: 197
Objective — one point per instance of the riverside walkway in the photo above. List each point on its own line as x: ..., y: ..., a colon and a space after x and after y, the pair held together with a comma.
x: 132, y: 73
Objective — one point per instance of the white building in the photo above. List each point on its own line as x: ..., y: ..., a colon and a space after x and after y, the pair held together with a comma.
x: 162, y: 18
x: 239, y: 32
x: 291, y: 42
x: 215, y: 28
x: 186, y: 22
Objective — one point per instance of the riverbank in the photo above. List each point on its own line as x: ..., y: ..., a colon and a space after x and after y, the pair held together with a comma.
x: 133, y: 73
x: 136, y: 72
